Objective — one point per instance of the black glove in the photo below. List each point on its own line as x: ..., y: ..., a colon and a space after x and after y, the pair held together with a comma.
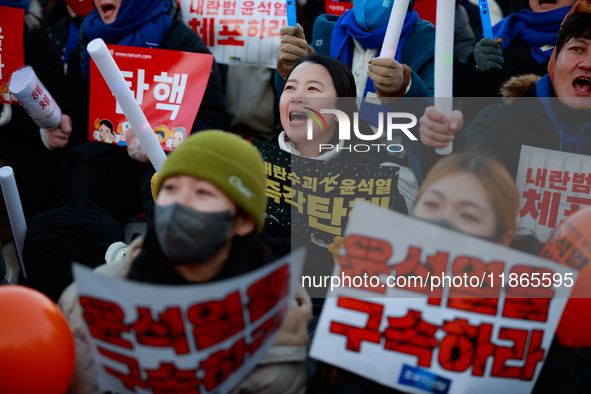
x: 488, y: 56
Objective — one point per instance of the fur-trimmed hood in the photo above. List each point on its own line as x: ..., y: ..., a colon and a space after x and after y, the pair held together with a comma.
x: 34, y: 17
x: 516, y: 87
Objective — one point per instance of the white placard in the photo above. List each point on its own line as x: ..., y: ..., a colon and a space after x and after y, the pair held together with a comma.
x: 552, y: 186
x: 241, y: 32
x: 203, y: 338
x: 488, y: 337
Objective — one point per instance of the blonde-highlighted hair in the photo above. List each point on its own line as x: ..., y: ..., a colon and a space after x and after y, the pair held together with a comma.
x: 498, y: 184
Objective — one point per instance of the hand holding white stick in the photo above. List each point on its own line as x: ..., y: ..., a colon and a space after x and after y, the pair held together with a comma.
x: 136, y: 118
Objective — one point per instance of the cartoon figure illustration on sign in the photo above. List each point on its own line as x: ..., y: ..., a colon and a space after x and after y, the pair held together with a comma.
x: 121, y: 132
x: 5, y: 92
x: 6, y: 95
x: 104, y: 131
x: 163, y: 134
x: 179, y: 136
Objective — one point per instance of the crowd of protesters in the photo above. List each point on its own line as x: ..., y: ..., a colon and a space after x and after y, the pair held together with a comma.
x: 540, y: 50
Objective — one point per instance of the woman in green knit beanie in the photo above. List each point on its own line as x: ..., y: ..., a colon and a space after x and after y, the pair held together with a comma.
x: 210, y: 202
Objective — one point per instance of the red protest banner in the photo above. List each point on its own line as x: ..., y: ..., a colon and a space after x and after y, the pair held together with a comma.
x: 81, y: 7
x: 337, y: 7
x: 11, y: 47
x: 168, y: 86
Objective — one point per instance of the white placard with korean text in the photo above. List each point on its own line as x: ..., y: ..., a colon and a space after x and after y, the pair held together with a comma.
x: 240, y: 32
x: 552, y: 186
x: 203, y: 338
x: 486, y: 335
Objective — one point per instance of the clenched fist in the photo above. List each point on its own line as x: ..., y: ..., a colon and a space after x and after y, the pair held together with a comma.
x: 293, y: 46
x: 437, y: 130
x: 57, y: 137
x: 386, y: 74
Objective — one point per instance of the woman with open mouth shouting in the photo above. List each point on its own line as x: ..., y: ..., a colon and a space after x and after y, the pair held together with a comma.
x: 319, y: 82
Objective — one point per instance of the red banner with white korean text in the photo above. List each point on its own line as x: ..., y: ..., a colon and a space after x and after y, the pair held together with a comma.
x: 168, y: 86
x: 11, y: 48
x: 337, y: 7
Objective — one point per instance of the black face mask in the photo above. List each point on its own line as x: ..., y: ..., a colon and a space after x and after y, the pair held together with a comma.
x: 442, y: 222
x: 187, y: 236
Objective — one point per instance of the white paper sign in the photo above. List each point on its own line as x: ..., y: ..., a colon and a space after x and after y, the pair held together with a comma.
x: 243, y: 32
x: 490, y: 336
x: 198, y: 338
x: 552, y: 186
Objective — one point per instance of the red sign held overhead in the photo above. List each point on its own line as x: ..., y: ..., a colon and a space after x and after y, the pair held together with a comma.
x: 337, y: 7
x: 11, y: 47
x: 168, y: 86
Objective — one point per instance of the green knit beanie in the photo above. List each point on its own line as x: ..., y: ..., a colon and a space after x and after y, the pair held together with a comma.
x: 226, y: 160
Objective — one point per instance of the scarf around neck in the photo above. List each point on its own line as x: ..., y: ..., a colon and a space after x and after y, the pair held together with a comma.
x: 536, y: 29
x: 139, y: 23
x: 341, y: 48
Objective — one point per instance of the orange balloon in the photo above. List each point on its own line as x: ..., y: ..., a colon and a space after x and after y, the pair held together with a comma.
x: 37, y: 353
x: 570, y: 245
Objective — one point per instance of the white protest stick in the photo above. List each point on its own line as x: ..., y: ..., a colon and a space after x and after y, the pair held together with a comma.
x: 40, y: 105
x: 136, y: 118
x: 15, y: 211
x: 444, y: 57
x: 394, y: 29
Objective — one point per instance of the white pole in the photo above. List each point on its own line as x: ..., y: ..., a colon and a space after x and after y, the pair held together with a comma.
x: 15, y: 211
x: 394, y: 29
x: 136, y: 118
x: 444, y: 58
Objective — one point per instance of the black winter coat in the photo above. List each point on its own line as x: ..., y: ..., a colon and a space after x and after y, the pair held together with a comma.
x: 518, y: 61
x: 502, y: 129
